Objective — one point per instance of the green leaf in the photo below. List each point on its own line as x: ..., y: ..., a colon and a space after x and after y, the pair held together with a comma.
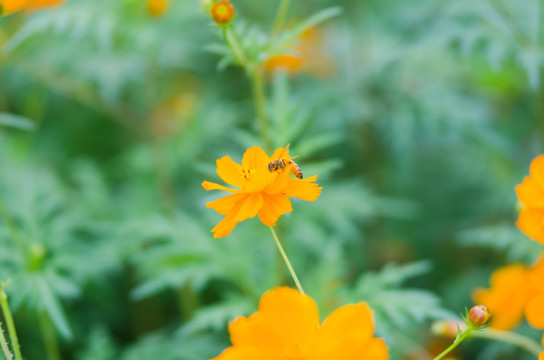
x: 289, y: 36
x: 16, y: 121
x: 54, y: 309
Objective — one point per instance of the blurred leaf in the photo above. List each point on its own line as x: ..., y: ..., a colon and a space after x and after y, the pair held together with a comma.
x: 16, y: 121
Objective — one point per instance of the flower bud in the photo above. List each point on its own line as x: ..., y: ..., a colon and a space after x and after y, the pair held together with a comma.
x: 447, y: 328
x: 157, y: 7
x: 478, y: 315
x: 222, y: 12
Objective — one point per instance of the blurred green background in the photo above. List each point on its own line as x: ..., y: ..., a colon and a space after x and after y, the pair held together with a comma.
x: 419, y: 117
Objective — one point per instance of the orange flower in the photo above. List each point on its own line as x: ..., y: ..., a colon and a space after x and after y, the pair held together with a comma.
x: 534, y: 308
x: 157, y: 7
x: 309, y: 56
x: 222, y: 12
x: 507, y: 296
x: 531, y: 195
x: 541, y: 357
x: 286, y: 327
x: 262, y: 192
x: 10, y: 6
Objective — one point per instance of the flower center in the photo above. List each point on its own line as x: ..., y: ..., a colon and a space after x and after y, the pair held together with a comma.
x: 248, y: 173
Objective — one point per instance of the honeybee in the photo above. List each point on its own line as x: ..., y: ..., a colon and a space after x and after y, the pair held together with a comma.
x: 280, y: 164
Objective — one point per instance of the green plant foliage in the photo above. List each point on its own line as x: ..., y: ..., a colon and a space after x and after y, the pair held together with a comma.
x: 419, y: 120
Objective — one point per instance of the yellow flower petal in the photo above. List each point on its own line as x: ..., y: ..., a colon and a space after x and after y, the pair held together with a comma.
x: 506, y: 297
x: 531, y: 222
x: 255, y: 158
x: 530, y: 193
x: 213, y: 186
x: 247, y: 353
x: 273, y: 207
x: 230, y: 172
x: 534, y: 311
x: 10, y: 6
x: 258, y: 180
x: 304, y: 189
x: 286, y: 319
x: 247, y: 207
x: 225, y: 204
x: 536, y: 170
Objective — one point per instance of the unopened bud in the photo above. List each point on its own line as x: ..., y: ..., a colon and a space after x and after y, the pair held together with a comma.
x: 447, y: 328
x: 478, y: 315
x: 222, y: 12
x: 157, y: 7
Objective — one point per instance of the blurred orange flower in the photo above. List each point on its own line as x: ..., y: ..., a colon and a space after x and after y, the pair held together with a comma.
x: 506, y: 297
x: 541, y: 357
x: 262, y: 192
x: 534, y: 308
x: 222, y: 12
x: 10, y: 6
x: 287, y: 327
x: 157, y: 7
x: 531, y: 195
x: 310, y: 56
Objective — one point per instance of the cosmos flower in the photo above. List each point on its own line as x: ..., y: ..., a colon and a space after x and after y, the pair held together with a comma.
x: 261, y: 192
x: 531, y: 195
x: 157, y: 7
x: 10, y: 6
x: 534, y: 308
x: 287, y: 327
x: 506, y: 297
x: 516, y: 291
x: 222, y: 12
x: 541, y: 357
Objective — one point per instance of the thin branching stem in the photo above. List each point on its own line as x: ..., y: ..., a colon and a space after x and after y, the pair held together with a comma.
x: 511, y: 338
x: 259, y: 99
x: 49, y: 338
x: 14, y: 233
x: 9, y: 323
x: 281, y: 15
x: 459, y: 339
x: 4, y: 344
x: 286, y: 259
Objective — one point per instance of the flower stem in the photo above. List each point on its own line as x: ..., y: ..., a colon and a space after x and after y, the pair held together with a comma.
x: 457, y: 341
x: 4, y: 344
x: 260, y: 105
x: 9, y: 322
x: 236, y: 48
x: 286, y: 259
x: 49, y: 339
x: 510, y: 338
x: 279, y: 20
x: 17, y: 240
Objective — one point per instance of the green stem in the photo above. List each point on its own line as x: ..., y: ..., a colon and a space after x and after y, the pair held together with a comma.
x: 510, y: 338
x: 279, y: 20
x: 49, y: 338
x: 286, y: 259
x: 457, y: 341
x: 259, y: 99
x: 17, y: 239
x: 4, y: 344
x: 9, y: 323
x: 236, y: 47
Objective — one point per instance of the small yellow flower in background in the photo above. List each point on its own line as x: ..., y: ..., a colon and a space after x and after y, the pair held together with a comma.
x: 157, y: 7
x: 308, y: 56
x: 531, y: 194
x: 506, y: 297
x: 262, y: 191
x: 222, y: 12
x: 11, y: 6
x: 287, y: 327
